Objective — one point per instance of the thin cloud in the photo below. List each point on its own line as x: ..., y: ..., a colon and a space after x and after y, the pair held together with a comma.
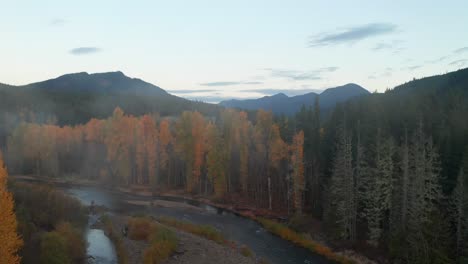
x: 383, y: 46
x: 192, y: 91
x: 252, y: 83
x: 458, y: 63
x: 288, y: 92
x: 440, y: 59
x: 394, y: 46
x: 214, y: 84
x: 300, y: 75
x: 57, y: 22
x: 414, y: 67
x: 352, y: 35
x: 461, y: 50
x: 84, y: 50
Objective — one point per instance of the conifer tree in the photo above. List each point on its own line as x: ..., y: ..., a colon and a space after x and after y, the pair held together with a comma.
x: 342, y: 190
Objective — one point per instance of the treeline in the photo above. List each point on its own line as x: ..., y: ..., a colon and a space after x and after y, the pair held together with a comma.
x: 393, y: 170
x: 219, y: 157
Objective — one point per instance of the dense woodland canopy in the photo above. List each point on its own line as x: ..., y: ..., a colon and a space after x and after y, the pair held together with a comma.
x: 386, y: 169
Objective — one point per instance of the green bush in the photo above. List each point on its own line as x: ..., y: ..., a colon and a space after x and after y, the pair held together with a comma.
x: 54, y: 249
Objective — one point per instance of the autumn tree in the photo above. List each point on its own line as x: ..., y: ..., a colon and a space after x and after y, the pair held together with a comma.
x: 165, y: 141
x: 10, y: 241
x: 191, y: 145
x: 244, y: 131
x: 149, y: 148
x: 216, y: 160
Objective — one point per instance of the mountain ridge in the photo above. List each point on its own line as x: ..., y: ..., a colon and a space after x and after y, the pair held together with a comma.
x: 290, y: 105
x: 77, y: 97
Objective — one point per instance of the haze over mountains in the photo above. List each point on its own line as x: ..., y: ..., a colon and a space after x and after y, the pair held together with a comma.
x: 282, y: 104
x: 78, y: 97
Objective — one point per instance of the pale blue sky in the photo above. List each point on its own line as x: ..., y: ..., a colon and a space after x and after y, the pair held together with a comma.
x: 238, y: 48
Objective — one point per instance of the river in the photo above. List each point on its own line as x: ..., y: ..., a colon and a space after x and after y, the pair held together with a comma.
x: 242, y: 230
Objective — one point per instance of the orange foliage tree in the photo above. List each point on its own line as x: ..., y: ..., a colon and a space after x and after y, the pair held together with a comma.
x: 198, y: 135
x: 165, y: 139
x: 10, y: 242
x: 244, y: 128
x: 216, y: 160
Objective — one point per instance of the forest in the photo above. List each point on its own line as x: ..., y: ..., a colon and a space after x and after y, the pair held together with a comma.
x: 387, y: 170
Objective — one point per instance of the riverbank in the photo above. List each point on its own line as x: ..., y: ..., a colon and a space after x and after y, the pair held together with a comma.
x: 139, y: 196
x: 190, y: 248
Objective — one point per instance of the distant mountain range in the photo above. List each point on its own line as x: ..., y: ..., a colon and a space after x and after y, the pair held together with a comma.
x: 282, y: 104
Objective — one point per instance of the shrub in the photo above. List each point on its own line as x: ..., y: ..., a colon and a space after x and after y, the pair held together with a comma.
x: 139, y: 228
x: 76, y: 245
x: 246, y: 252
x: 53, y: 249
x: 163, y: 244
x: 158, y: 252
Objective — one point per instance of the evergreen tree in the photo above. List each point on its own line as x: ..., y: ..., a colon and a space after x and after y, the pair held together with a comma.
x: 379, y: 189
x: 342, y: 190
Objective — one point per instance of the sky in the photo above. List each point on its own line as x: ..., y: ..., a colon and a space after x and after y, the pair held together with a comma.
x: 216, y: 50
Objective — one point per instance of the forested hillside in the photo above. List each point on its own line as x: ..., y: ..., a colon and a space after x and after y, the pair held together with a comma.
x: 394, y: 166
x: 76, y: 98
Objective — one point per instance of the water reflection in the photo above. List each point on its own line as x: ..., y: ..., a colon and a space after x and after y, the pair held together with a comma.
x: 100, y: 248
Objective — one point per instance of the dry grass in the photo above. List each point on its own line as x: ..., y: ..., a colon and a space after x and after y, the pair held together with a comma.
x: 163, y: 244
x: 205, y: 231
x: 298, y: 239
x: 140, y: 228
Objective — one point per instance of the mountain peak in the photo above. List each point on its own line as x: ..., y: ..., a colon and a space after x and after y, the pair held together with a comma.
x: 105, y: 82
x: 279, y: 95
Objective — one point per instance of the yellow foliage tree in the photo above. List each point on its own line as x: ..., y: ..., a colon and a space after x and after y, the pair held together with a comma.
x: 10, y: 242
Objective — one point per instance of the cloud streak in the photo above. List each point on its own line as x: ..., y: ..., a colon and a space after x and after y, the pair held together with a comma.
x: 57, y: 22
x: 461, y: 50
x: 414, y: 67
x: 288, y: 92
x: 351, y: 35
x: 458, y: 63
x: 440, y: 59
x: 215, y: 84
x: 84, y: 50
x: 300, y: 75
x: 394, y: 46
